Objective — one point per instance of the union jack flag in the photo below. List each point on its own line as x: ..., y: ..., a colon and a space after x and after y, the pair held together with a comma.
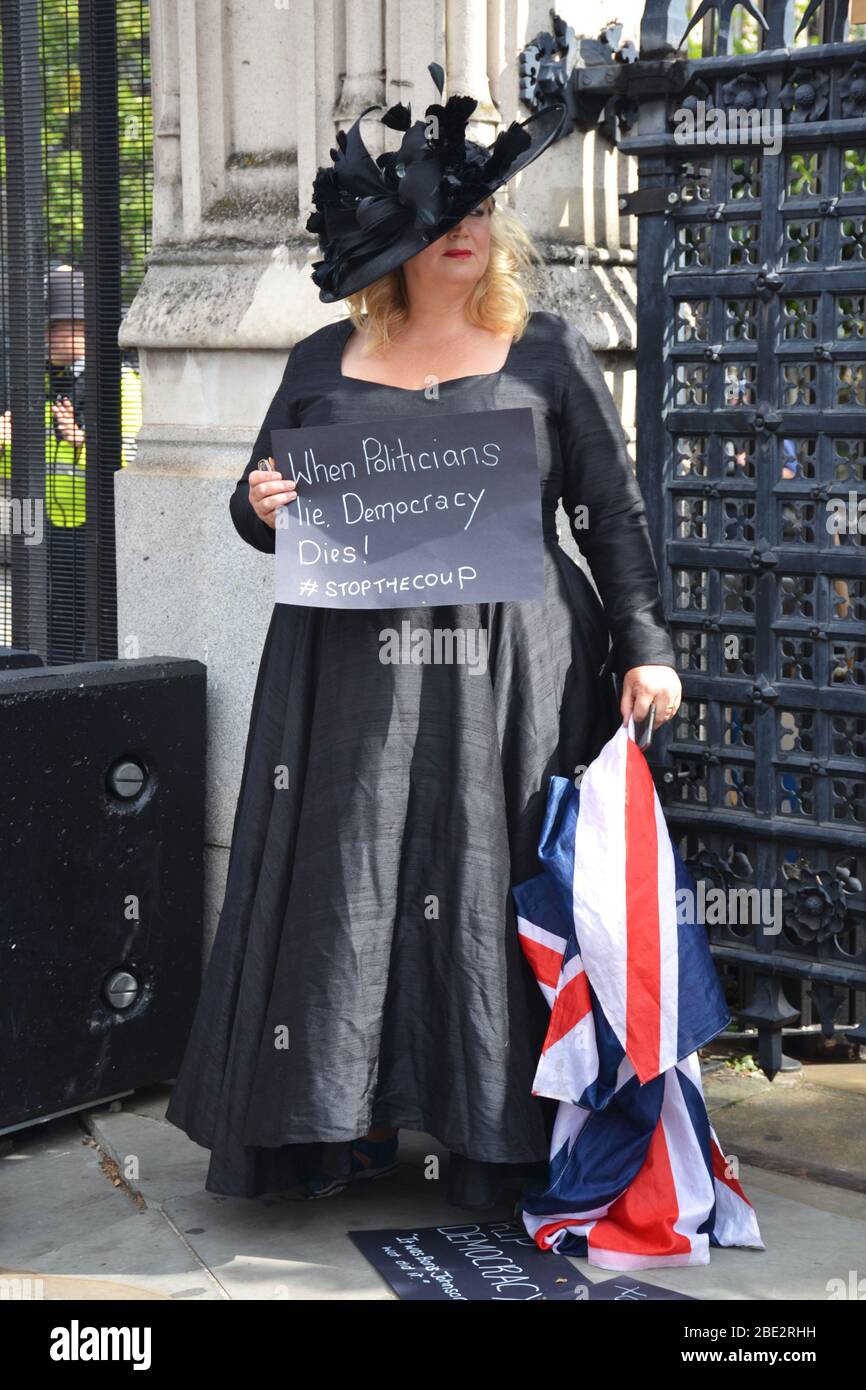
x: 637, y: 1178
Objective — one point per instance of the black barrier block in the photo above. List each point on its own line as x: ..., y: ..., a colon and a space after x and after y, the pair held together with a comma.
x: 13, y: 657
x: 101, y: 846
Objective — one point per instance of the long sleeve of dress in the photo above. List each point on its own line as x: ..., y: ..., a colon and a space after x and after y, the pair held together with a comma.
x: 279, y: 415
x: 612, y: 533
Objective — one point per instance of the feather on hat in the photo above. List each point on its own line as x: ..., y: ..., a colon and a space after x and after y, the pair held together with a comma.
x: 372, y: 215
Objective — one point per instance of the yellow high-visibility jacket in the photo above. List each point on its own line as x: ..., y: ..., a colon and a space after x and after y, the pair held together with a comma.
x: 65, y: 462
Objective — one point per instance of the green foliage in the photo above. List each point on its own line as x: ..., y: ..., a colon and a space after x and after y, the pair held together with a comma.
x: 743, y: 1065
x: 61, y: 135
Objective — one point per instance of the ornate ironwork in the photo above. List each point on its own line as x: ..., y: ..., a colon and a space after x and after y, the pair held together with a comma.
x: 768, y: 434
x: 814, y: 904
x: 722, y: 8
x: 752, y: 460
x: 587, y: 73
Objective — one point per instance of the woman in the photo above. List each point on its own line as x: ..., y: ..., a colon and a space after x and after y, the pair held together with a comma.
x: 366, y: 974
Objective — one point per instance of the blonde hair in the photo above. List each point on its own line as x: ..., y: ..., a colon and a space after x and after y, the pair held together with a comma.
x: 498, y: 301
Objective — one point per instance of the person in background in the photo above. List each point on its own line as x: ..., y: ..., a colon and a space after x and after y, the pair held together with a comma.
x: 65, y: 456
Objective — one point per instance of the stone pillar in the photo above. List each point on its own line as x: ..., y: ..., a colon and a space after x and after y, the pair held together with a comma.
x: 364, y: 81
x: 247, y: 101
x: 467, y: 64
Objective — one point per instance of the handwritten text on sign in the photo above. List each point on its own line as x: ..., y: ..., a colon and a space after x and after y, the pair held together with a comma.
x: 411, y: 511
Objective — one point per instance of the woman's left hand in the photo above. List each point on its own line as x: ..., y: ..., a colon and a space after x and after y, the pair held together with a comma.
x: 647, y: 685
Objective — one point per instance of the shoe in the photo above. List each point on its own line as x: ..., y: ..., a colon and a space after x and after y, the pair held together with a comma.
x: 383, y: 1160
x: 382, y: 1154
x: 322, y: 1185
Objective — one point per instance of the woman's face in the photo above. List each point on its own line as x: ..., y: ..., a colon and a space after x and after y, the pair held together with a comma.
x: 456, y: 260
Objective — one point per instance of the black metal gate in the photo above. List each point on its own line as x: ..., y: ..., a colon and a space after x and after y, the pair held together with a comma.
x: 751, y: 455
x: 752, y: 460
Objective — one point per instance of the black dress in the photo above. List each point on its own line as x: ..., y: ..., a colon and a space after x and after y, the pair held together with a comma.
x: 336, y: 997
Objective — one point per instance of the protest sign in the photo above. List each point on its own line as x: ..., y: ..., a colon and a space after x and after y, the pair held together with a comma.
x: 491, y: 1262
x: 494, y: 1261
x: 425, y: 510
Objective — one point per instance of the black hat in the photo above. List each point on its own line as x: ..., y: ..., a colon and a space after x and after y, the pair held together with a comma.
x: 64, y: 293
x: 372, y: 215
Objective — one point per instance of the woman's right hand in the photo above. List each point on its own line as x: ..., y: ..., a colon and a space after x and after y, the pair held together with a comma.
x: 270, y: 490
